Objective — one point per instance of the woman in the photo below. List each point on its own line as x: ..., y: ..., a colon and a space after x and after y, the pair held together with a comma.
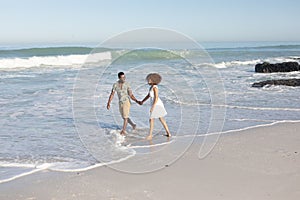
x: 157, y: 109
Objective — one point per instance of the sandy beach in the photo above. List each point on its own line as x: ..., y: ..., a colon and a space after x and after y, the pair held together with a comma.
x: 259, y: 163
x: 228, y: 88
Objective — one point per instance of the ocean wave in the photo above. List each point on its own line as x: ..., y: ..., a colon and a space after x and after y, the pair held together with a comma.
x: 253, y: 62
x: 221, y: 65
x: 268, y: 123
x: 57, y: 56
x: 260, y: 108
x: 67, y: 56
x: 260, y: 47
x: 18, y: 170
x: 36, y: 61
x: 146, y: 54
x: 195, y: 103
x: 47, y: 51
x: 151, y: 145
x: 13, y: 170
x: 293, y: 46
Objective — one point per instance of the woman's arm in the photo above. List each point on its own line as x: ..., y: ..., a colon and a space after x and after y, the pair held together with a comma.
x: 146, y: 98
x: 155, y: 90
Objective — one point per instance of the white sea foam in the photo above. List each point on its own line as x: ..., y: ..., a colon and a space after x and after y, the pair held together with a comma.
x: 279, y: 60
x: 261, y: 108
x: 151, y: 145
x: 256, y: 126
x: 254, y: 120
x: 117, y: 137
x: 221, y: 65
x: 270, y: 123
x: 16, y: 76
x: 38, y: 61
x: 27, y: 169
x: 62, y: 167
x: 234, y: 106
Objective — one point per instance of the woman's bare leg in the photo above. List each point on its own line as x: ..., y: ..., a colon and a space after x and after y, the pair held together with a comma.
x: 164, y: 123
x: 151, y: 121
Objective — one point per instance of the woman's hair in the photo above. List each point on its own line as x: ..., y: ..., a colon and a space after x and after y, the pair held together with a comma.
x: 154, y: 77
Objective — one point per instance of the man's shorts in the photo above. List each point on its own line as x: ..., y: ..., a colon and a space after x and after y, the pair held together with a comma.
x: 124, y: 108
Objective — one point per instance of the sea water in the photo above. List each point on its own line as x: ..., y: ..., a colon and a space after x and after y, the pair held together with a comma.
x: 45, y: 126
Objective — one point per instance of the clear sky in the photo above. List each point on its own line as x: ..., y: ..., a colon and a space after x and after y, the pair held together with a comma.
x: 83, y: 21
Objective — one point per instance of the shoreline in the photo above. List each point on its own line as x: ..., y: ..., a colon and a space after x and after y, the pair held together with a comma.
x: 45, y: 166
x: 256, y: 163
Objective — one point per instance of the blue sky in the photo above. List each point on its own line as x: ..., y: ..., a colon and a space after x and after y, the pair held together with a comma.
x: 91, y: 21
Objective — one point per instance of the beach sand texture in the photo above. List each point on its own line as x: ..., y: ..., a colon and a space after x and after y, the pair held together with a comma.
x: 260, y: 163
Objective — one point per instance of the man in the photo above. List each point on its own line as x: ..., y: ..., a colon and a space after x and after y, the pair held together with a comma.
x: 124, y: 93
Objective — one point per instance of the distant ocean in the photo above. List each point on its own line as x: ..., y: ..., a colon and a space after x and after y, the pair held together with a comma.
x: 38, y: 129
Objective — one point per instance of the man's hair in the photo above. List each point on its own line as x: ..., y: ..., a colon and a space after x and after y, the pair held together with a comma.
x: 120, y: 74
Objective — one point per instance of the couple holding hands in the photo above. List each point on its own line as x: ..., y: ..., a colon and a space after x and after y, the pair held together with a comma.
x: 157, y: 109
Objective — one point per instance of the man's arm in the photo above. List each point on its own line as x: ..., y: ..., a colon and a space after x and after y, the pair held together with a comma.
x: 132, y: 96
x: 111, y: 96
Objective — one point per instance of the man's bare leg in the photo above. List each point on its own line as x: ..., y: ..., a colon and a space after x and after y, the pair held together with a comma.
x: 131, y: 123
x: 124, y: 126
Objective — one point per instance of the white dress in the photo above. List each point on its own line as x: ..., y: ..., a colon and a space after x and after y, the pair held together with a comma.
x: 159, y: 109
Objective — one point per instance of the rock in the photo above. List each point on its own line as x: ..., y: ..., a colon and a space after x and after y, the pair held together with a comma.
x: 266, y: 67
x: 295, y: 58
x: 288, y: 82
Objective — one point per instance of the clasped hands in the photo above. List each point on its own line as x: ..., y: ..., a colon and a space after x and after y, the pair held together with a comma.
x: 139, y: 102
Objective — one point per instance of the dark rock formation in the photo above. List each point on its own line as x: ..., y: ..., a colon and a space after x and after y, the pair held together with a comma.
x: 278, y: 67
x: 295, y: 58
x: 287, y: 82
